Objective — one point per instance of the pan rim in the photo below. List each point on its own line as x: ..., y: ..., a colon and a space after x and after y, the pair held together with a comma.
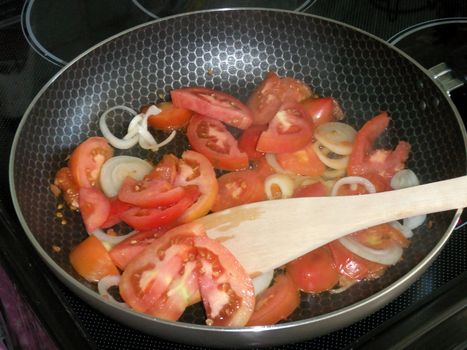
x: 396, y: 285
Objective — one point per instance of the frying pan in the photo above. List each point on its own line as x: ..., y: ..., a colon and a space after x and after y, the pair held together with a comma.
x: 232, y: 50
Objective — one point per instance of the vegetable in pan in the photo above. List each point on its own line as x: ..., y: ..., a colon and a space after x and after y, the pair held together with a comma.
x: 292, y: 143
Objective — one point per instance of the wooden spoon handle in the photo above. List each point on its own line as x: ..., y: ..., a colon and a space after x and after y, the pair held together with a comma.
x: 266, y: 235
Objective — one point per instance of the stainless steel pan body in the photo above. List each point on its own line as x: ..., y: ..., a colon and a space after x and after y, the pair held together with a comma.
x: 232, y: 51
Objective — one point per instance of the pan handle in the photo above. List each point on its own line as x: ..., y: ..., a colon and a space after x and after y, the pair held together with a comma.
x: 444, y: 76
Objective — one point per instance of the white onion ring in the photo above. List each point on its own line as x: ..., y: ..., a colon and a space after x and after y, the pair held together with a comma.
x: 403, y: 179
x: 353, y: 180
x: 111, y: 240
x: 414, y: 221
x: 114, y: 140
x: 388, y: 256
x: 103, y: 287
x: 343, y: 288
x: 284, y: 182
x: 334, y: 163
x: 337, y: 137
x: 262, y: 282
x: 407, y: 232
x: 273, y: 163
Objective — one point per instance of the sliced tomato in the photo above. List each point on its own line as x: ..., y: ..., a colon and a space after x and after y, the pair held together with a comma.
x: 314, y: 272
x: 302, y: 162
x: 352, y: 266
x: 317, y: 189
x: 91, y: 260
x: 147, y: 277
x: 237, y: 188
x: 149, y: 193
x: 365, y: 160
x: 262, y: 167
x: 69, y: 188
x: 170, y: 117
x: 381, y: 237
x: 196, y: 170
x: 87, y: 159
x: 249, y: 140
x: 214, y: 104
x: 226, y: 289
x: 319, y: 110
x: 276, y: 303
x: 125, y: 251
x: 94, y: 207
x: 166, y: 169
x: 211, y: 138
x: 151, y: 218
x: 267, y: 98
x: 287, y: 132
x: 116, y: 208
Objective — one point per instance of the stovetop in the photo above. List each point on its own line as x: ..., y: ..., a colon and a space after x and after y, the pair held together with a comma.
x: 38, y: 37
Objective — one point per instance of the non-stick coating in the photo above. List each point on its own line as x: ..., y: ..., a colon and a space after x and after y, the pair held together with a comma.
x: 232, y: 51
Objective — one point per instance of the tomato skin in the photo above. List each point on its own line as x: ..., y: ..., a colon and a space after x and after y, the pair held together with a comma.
x: 212, y: 139
x: 86, y: 161
x: 116, y: 208
x: 276, y: 303
x: 226, y: 289
x: 65, y: 182
x: 149, y: 193
x: 170, y: 117
x: 319, y: 110
x: 381, y: 237
x: 317, y: 189
x: 287, y: 132
x: 237, y: 188
x: 249, y: 140
x: 94, y: 207
x: 214, y: 104
x: 166, y: 169
x: 302, y: 162
x: 151, y: 218
x: 314, y: 272
x: 262, y: 167
x: 196, y: 170
x: 351, y: 265
x: 91, y: 260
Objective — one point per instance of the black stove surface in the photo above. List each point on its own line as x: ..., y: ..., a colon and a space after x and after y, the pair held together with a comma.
x: 64, y: 29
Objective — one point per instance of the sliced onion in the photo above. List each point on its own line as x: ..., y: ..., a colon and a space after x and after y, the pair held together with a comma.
x: 108, y: 239
x: 272, y: 161
x: 353, y: 180
x: 388, y: 256
x: 403, y: 179
x: 333, y: 173
x: 337, y: 137
x: 344, y: 285
x: 262, y: 282
x: 333, y: 163
x: 104, y: 285
x: 114, y: 140
x: 284, y: 182
x: 116, y: 169
x: 407, y: 232
x: 414, y: 221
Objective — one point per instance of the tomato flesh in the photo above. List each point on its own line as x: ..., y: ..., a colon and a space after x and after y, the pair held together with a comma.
x: 302, y: 162
x: 65, y: 182
x: 317, y: 189
x: 381, y: 237
x: 319, y: 110
x: 170, y: 117
x: 249, y: 140
x: 117, y: 207
x: 94, y: 207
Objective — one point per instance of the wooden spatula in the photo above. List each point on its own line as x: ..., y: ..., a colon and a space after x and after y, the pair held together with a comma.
x: 266, y: 235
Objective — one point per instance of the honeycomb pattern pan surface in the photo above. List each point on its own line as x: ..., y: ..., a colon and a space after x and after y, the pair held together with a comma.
x: 232, y: 51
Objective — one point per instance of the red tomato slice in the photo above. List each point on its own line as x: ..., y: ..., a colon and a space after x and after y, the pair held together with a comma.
x: 317, y: 189
x: 365, y: 160
x: 87, y: 159
x: 319, y: 110
x: 211, y: 138
x: 287, y: 132
x: 302, y: 162
x: 314, y: 272
x: 214, y: 104
x: 249, y: 140
x: 94, y: 207
x: 267, y: 98
x: 352, y: 266
x: 148, y: 277
x: 166, y: 169
x: 239, y: 188
x: 262, y: 167
x: 276, y: 303
x: 226, y: 289
x: 170, y: 118
x: 149, y: 193
x: 70, y: 190
x: 150, y: 218
x: 116, y: 208
x: 125, y: 251
x: 381, y: 237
